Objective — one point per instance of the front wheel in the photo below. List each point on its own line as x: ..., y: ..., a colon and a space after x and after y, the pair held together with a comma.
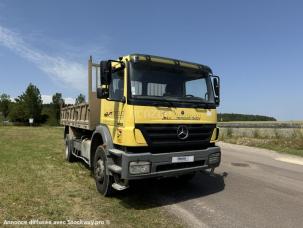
x: 103, y: 180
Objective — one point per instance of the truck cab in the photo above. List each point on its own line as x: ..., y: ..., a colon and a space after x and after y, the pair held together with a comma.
x: 148, y: 116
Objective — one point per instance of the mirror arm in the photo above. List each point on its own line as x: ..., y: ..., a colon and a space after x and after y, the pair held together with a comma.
x: 116, y: 61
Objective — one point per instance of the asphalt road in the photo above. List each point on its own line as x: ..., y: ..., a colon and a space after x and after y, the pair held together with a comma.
x: 252, y: 188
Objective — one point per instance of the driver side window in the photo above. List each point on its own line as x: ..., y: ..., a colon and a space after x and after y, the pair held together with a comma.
x: 116, y: 87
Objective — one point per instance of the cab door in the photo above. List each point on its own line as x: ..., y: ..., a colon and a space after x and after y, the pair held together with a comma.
x: 112, y: 109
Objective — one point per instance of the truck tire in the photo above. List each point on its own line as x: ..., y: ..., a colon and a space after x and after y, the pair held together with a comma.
x: 103, y: 180
x: 68, y: 150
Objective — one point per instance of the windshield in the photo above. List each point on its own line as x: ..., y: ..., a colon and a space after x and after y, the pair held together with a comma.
x: 169, y: 83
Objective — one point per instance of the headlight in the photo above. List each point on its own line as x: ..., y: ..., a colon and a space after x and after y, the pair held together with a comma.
x: 139, y: 167
x: 214, y: 158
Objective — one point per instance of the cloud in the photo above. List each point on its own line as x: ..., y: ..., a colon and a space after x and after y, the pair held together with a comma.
x: 69, y: 72
x: 48, y: 99
x: 69, y: 100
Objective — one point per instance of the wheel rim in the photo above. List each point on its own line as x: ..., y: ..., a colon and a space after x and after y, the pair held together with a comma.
x: 100, y: 171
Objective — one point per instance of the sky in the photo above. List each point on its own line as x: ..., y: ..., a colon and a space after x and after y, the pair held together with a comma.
x: 256, y: 47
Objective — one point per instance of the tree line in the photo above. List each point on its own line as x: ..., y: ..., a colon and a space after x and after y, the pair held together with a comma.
x: 30, y: 105
x: 225, y: 117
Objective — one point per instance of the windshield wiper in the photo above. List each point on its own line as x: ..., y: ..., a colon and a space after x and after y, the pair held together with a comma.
x: 160, y: 103
x: 157, y: 101
x: 206, y: 105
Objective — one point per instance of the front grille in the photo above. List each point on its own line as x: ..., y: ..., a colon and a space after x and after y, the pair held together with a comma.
x: 165, y: 136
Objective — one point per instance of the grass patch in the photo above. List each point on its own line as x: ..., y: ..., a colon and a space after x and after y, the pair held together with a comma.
x: 37, y: 183
x: 290, y: 144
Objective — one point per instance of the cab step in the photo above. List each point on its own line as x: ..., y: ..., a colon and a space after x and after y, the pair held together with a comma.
x: 115, y: 168
x: 119, y: 187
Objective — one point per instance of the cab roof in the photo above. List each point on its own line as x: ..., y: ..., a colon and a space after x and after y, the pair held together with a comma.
x: 164, y: 60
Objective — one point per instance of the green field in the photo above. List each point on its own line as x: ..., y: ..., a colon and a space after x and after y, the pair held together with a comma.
x: 284, y: 137
x: 37, y: 183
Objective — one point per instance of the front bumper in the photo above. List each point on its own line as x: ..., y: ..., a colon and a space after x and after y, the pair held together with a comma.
x: 161, y: 164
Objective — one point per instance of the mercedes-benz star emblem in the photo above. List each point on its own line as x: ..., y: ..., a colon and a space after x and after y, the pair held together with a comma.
x: 182, y: 132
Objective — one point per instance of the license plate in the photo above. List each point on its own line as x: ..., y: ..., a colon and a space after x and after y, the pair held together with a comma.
x: 183, y: 159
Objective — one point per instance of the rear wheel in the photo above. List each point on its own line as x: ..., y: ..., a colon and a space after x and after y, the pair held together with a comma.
x: 103, y: 180
x: 68, y: 150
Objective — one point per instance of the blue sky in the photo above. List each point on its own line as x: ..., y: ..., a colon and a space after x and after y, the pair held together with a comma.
x: 255, y: 46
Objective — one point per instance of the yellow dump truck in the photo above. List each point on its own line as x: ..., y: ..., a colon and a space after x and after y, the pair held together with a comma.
x: 146, y: 117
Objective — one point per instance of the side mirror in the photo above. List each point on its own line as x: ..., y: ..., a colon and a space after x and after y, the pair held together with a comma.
x: 216, y: 83
x: 217, y: 86
x: 105, y: 72
x: 102, y: 93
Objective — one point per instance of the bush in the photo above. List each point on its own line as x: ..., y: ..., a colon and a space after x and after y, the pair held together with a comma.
x: 276, y: 133
x: 229, y: 132
x: 256, y: 133
x: 297, y: 134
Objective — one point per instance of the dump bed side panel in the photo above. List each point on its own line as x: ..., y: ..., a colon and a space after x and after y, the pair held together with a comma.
x: 75, y: 116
